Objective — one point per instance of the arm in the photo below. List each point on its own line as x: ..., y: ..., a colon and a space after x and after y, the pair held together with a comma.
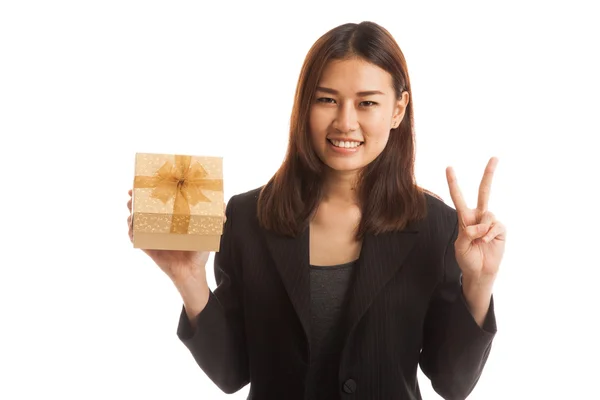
x: 455, y: 346
x: 211, y: 324
x: 478, y: 296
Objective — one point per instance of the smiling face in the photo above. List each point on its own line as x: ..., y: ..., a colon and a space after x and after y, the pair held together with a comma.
x: 355, y: 108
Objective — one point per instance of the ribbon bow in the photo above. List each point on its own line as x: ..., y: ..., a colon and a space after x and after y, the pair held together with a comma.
x: 183, y: 181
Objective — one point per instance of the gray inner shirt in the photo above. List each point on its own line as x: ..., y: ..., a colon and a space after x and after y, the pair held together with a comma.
x: 328, y: 289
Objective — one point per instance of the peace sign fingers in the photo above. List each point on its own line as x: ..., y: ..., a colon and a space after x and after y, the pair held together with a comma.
x: 485, y: 187
x: 455, y: 193
x: 480, y: 242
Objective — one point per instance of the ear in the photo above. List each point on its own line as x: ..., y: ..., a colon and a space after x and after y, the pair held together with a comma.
x: 400, y: 110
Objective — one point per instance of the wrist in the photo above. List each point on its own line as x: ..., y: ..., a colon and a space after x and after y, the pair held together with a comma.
x: 477, y: 292
x: 195, y: 293
x: 478, y: 283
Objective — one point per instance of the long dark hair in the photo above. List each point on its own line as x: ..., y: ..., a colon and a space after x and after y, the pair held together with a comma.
x: 388, y: 194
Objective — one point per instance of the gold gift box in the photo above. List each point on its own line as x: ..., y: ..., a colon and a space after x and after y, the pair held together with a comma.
x: 177, y: 202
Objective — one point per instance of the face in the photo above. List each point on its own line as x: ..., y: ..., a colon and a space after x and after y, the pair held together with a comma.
x: 354, y: 110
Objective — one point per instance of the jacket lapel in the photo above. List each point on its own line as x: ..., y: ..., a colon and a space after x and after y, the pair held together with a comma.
x: 381, y: 257
x: 291, y: 257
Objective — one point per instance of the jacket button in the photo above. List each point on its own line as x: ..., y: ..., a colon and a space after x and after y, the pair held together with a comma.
x: 349, y: 386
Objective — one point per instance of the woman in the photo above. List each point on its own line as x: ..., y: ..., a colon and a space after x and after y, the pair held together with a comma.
x: 341, y: 276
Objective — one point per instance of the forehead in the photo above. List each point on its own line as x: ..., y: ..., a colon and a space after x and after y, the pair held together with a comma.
x: 355, y: 75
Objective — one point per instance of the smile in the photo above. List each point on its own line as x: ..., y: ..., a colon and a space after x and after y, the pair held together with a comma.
x: 345, y: 144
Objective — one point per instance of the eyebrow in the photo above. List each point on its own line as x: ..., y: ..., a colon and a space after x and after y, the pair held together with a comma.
x: 361, y: 94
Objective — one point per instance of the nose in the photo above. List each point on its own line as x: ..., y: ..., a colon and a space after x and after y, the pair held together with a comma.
x: 346, y: 119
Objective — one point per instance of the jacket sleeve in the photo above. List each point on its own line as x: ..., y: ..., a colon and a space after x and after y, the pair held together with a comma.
x: 455, y: 348
x: 218, y: 342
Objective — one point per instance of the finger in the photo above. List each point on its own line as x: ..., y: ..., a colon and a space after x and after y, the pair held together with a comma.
x: 488, y: 217
x: 485, y: 187
x: 497, y: 232
x: 475, y: 232
x: 130, y: 225
x: 130, y: 192
x: 455, y: 193
x: 129, y: 205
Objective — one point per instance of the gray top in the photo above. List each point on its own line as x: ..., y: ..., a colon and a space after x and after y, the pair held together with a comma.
x: 328, y: 289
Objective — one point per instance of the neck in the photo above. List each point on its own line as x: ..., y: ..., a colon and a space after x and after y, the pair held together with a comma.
x: 340, y: 187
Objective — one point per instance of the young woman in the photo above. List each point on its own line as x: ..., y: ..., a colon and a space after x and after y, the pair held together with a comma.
x: 340, y: 276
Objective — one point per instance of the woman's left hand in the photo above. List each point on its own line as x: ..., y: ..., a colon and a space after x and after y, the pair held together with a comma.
x: 479, y: 246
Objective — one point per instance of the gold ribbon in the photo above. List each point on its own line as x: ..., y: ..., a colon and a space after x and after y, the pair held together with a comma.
x: 183, y: 181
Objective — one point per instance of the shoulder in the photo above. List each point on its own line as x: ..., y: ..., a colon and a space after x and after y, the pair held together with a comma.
x: 245, y: 199
x: 441, y: 217
x: 436, y: 206
x: 243, y: 205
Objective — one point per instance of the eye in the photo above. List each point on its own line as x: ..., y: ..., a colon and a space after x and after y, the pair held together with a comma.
x: 368, y: 103
x: 327, y: 100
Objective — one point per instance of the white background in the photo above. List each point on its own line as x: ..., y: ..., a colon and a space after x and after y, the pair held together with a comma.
x: 86, y: 84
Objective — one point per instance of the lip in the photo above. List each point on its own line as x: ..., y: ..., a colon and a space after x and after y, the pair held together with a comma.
x: 343, y: 150
x: 345, y: 139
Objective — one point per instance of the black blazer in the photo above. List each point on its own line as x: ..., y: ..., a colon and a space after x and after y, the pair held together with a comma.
x: 405, y: 309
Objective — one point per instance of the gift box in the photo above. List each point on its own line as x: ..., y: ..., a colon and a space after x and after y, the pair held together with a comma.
x: 177, y: 202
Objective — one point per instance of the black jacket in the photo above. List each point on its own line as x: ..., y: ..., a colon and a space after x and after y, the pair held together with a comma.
x: 405, y: 309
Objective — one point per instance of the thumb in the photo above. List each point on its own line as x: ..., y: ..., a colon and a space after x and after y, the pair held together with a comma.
x: 474, y: 232
x: 468, y: 235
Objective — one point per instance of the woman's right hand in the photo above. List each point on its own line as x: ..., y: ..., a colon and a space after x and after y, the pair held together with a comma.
x: 178, y: 265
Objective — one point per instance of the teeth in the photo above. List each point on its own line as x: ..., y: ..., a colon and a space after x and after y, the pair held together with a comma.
x: 345, y: 144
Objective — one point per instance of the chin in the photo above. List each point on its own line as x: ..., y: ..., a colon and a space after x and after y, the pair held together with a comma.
x: 345, y: 166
